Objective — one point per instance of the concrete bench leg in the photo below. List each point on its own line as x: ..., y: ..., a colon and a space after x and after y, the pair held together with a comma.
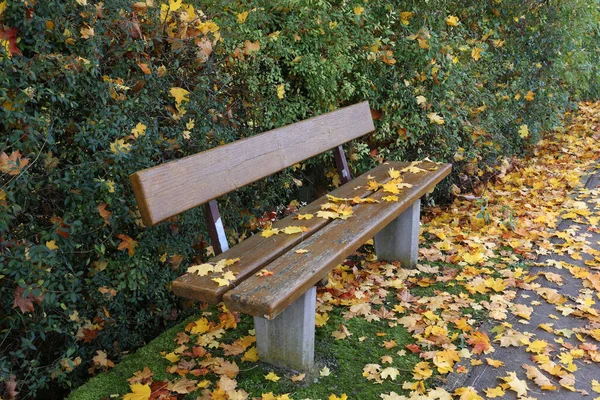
x: 288, y: 340
x: 399, y: 240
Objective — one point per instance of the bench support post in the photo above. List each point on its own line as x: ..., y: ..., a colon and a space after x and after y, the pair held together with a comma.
x: 288, y: 340
x: 399, y: 240
x: 214, y: 226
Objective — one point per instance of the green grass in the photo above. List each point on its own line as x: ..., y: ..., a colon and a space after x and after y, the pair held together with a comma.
x: 345, y: 358
x: 115, y: 380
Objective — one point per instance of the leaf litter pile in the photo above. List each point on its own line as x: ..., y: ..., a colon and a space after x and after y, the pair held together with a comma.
x: 478, y: 288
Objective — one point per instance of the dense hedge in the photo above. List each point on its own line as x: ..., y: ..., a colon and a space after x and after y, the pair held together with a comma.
x: 91, y: 92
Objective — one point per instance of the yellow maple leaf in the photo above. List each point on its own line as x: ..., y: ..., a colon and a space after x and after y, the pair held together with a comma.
x: 423, y: 43
x: 473, y: 258
x: 335, y: 397
x: 119, y: 146
x: 372, y: 185
x: 494, y: 392
x: 271, y: 376
x: 200, y: 326
x: 251, y: 355
x: 231, y: 261
x: 204, y: 384
x: 529, y: 96
x: 86, y: 32
x: 138, y: 392
x: 358, y: 10
x: 180, y: 95
x: 467, y: 393
x: 390, y: 198
x: 393, y: 173
x: 421, y: 371
x: 476, y: 53
x: 327, y: 214
x: 321, y: 319
x: 537, y: 346
x: 435, y: 118
x: 201, y: 269
x: 221, y: 281
x: 269, y: 232
x: 175, y: 5
x: 325, y: 372
x: 172, y: 357
x: 241, y: 17
x: 494, y: 363
x: 391, y: 187
x: 516, y: 384
x: 2, y: 7
x: 523, y: 131
x: 280, y: 91
x: 229, y: 275
x: 291, y: 230
x: 452, y: 20
x: 305, y: 216
x: 405, y: 17
x: 139, y: 130
x: 51, y: 244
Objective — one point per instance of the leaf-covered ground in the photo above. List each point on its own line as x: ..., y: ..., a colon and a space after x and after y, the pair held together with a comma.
x: 502, y: 305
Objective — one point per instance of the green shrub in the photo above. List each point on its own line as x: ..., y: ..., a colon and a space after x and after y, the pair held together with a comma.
x: 91, y: 92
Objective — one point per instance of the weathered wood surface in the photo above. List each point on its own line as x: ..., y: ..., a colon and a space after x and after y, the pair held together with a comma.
x: 256, y: 251
x: 171, y: 188
x: 294, y: 274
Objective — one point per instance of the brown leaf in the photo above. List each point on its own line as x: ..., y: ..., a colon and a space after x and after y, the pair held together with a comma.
x: 144, y: 377
x: 25, y: 304
x: 227, y: 368
x: 127, y: 243
x: 183, y: 386
x: 11, y: 387
x: 104, y: 213
x: 144, y: 67
x: 13, y: 164
x: 227, y: 384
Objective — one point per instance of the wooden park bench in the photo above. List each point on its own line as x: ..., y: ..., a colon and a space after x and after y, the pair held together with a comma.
x: 283, y: 304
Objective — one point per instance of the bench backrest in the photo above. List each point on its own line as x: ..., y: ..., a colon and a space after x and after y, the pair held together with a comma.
x: 171, y: 188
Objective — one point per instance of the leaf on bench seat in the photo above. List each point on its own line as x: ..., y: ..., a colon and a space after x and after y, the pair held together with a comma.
x: 289, y: 230
x: 354, y: 200
x: 225, y: 279
x: 207, y: 268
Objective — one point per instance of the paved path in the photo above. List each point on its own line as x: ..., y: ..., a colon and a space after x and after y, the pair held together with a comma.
x: 483, y: 376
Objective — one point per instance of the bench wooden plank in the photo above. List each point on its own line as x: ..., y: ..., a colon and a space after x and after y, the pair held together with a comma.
x: 256, y: 251
x: 171, y: 188
x: 294, y: 274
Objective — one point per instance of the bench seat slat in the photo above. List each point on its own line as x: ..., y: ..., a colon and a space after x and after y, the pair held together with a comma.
x: 256, y: 251
x: 294, y: 274
x: 171, y: 188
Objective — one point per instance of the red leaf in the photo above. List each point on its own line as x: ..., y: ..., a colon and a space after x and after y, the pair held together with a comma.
x: 10, y: 35
x: 415, y: 349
